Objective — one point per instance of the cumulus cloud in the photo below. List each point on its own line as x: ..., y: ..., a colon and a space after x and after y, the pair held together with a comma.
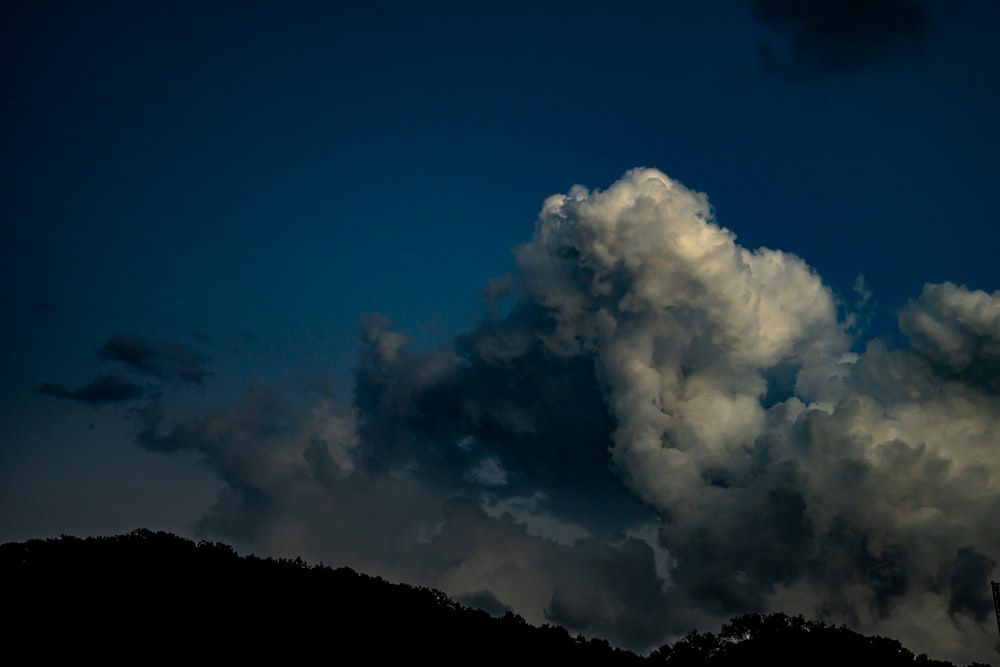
x: 958, y: 330
x: 104, y: 389
x: 664, y: 430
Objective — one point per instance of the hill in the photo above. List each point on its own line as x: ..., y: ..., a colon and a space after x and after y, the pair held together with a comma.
x: 154, y: 595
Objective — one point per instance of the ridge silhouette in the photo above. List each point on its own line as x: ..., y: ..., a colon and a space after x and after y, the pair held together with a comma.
x: 152, y: 595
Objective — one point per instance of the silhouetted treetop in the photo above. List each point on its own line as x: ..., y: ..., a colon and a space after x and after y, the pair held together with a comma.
x: 149, y: 594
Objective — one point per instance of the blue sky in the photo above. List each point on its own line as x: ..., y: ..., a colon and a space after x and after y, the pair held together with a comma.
x: 229, y: 189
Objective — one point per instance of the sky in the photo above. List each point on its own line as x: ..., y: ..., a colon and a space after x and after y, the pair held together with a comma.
x: 628, y: 317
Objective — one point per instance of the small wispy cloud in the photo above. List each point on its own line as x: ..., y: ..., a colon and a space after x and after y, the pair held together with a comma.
x: 159, y: 359
x: 105, y: 389
x: 829, y: 37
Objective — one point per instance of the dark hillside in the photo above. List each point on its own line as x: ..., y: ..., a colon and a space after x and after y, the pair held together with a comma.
x: 160, y: 594
x: 152, y: 595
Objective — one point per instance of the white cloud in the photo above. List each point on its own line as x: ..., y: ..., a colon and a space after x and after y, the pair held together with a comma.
x: 783, y: 471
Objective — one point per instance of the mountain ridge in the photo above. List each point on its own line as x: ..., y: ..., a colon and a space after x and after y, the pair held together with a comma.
x: 148, y: 590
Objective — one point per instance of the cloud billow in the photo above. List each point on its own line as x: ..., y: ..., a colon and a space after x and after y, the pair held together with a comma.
x: 664, y: 430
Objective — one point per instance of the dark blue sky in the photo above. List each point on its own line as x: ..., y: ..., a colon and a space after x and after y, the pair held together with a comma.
x: 230, y: 186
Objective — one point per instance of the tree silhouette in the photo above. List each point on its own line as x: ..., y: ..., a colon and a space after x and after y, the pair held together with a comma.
x: 152, y: 595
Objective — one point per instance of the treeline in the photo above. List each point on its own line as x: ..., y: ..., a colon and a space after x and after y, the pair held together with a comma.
x: 149, y: 596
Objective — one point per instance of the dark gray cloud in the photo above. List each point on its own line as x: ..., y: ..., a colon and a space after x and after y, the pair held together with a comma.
x: 827, y: 37
x: 499, y: 413
x: 484, y: 600
x: 664, y: 430
x: 593, y: 587
x: 970, y: 577
x: 628, y: 607
x: 159, y: 359
x: 105, y: 389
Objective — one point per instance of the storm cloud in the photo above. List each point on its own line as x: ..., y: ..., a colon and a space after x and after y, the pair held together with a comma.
x: 652, y: 430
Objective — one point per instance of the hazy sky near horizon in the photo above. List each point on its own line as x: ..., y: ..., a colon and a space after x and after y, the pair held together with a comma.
x: 513, y: 298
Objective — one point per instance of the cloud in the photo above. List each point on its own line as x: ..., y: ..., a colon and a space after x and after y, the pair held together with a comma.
x: 104, y: 389
x: 663, y: 430
x: 484, y: 600
x: 159, y: 359
x: 967, y: 592
x: 957, y: 330
x: 828, y: 37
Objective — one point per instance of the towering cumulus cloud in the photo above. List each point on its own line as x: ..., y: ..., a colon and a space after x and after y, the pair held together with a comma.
x: 654, y: 429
